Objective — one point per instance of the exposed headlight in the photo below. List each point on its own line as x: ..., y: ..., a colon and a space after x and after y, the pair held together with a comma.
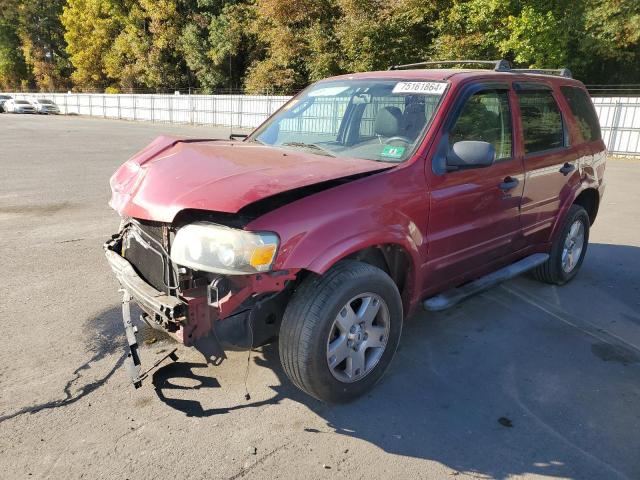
x: 215, y: 248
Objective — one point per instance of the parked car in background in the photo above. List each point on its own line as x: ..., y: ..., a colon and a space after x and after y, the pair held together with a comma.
x: 19, y: 106
x: 365, y: 197
x: 3, y: 99
x: 45, y: 106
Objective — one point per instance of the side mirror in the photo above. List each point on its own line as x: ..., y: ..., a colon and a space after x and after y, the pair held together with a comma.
x: 470, y: 154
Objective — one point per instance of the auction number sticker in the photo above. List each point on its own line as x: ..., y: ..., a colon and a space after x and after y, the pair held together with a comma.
x: 424, y: 88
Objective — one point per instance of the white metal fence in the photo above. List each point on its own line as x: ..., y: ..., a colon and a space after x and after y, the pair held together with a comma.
x: 243, y: 111
x: 619, y: 116
x: 620, y: 123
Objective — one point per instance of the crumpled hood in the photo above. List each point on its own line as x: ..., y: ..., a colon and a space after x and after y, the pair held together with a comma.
x: 171, y: 175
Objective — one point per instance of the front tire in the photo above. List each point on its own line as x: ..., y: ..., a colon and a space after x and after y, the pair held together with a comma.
x: 568, y: 250
x: 340, y: 331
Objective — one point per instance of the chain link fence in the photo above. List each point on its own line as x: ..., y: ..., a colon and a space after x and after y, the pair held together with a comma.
x: 619, y: 116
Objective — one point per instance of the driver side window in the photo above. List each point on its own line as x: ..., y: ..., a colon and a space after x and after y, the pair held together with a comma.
x: 486, y: 117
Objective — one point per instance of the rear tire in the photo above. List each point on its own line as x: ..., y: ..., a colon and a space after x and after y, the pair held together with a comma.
x: 568, y: 250
x: 340, y: 331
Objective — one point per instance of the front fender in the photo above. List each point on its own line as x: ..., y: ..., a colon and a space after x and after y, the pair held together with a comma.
x: 334, y: 237
x: 388, y: 208
x: 348, y: 245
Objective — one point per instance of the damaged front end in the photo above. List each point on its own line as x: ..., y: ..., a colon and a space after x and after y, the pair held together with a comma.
x: 210, y: 311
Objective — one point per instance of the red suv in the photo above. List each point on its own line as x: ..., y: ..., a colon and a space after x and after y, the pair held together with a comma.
x: 362, y: 199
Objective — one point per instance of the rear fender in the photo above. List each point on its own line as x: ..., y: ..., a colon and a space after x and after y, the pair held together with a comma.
x: 569, y: 199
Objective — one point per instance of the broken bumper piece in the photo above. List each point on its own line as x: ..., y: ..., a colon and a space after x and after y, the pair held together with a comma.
x: 132, y: 362
x: 170, y: 309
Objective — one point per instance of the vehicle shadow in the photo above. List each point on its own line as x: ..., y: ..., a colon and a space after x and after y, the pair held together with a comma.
x: 105, y: 337
x: 492, y: 388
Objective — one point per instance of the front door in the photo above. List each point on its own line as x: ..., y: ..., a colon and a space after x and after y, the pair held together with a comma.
x: 474, y: 213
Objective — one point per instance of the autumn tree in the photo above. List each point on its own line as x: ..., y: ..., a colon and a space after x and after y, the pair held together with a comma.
x: 13, y: 69
x: 297, y: 41
x: 42, y: 43
x: 90, y: 28
x: 280, y: 46
x: 145, y: 53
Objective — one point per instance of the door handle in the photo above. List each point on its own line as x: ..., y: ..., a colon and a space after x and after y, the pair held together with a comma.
x: 509, y: 183
x: 567, y: 168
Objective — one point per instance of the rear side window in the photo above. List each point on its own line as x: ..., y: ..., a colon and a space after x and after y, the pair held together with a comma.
x: 583, y: 111
x: 541, y: 121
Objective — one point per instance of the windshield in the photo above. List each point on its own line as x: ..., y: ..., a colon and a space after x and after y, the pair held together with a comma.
x: 374, y: 120
x: 22, y: 102
x: 45, y: 102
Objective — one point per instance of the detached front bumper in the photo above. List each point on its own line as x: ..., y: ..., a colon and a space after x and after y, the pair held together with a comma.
x: 169, y: 308
x: 239, y: 320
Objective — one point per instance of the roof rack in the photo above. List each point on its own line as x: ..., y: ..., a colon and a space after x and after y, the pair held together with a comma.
x: 497, y: 65
x: 562, y: 72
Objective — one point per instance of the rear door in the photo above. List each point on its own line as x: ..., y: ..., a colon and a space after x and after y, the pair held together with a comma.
x: 474, y: 213
x: 549, y: 159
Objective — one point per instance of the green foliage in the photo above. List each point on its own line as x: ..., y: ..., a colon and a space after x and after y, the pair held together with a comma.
x: 611, y: 51
x: 280, y: 46
x: 472, y: 29
x: 144, y: 55
x: 12, y: 65
x: 539, y: 39
x: 42, y: 42
x: 374, y: 35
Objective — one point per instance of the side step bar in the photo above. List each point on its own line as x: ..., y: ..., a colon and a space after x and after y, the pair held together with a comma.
x: 456, y: 295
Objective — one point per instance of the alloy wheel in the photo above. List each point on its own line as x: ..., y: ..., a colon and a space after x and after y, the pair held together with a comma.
x: 358, y: 337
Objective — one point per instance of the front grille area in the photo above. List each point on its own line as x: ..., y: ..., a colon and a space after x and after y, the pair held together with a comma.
x: 143, y: 248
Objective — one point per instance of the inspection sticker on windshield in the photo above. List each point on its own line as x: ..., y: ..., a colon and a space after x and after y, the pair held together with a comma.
x: 391, y: 151
x: 423, y: 88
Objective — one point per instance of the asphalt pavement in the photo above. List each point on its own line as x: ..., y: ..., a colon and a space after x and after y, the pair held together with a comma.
x: 524, y: 381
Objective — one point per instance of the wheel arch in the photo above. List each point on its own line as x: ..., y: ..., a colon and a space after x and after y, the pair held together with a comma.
x: 393, y: 259
x: 589, y: 199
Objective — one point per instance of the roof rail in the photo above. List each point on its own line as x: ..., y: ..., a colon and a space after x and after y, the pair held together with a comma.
x: 562, y: 72
x: 497, y: 65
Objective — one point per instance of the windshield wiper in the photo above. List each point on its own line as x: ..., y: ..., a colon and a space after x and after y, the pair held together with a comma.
x: 311, y: 146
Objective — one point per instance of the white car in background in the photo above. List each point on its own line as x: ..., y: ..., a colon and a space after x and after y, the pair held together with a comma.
x: 3, y: 100
x: 44, y: 105
x: 18, y: 106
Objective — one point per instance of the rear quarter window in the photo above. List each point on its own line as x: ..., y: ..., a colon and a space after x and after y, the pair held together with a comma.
x: 582, y: 109
x: 542, y: 126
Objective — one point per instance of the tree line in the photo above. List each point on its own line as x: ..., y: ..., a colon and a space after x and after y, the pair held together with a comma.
x: 280, y: 46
